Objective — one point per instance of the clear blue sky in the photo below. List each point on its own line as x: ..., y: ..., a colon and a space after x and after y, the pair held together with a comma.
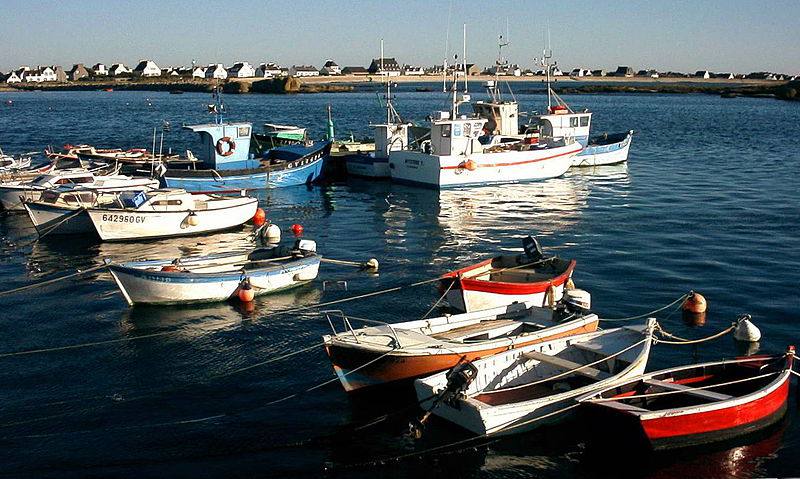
x: 730, y: 35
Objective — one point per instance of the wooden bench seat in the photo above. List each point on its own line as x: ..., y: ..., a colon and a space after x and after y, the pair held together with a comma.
x: 463, y: 332
x: 566, y: 365
x: 702, y: 393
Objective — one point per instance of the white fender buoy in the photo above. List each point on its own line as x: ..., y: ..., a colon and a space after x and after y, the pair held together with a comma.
x: 746, y: 331
x: 273, y: 233
x: 372, y: 264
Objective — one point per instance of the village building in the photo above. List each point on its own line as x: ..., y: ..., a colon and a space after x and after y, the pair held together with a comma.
x: 702, y: 74
x: 580, y: 72
x: 77, y: 72
x: 355, y: 71
x: 384, y: 67
x: 268, y: 70
x: 598, y: 73
x: 41, y: 74
x: 216, y: 71
x: 330, y: 68
x: 12, y: 77
x: 410, y: 70
x: 725, y: 76
x: 99, y: 69
x: 647, y: 73
x: 170, y: 72
x: 146, y: 68
x: 303, y: 71
x: 198, y: 72
x: 622, y: 71
x: 118, y: 69
x: 241, y: 70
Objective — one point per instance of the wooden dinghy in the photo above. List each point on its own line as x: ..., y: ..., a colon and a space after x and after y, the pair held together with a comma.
x: 389, y: 353
x: 696, y: 404
x: 217, y: 277
x: 505, y: 279
x: 521, y: 389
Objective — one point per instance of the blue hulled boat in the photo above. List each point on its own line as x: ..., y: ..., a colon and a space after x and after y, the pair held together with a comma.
x: 227, y: 164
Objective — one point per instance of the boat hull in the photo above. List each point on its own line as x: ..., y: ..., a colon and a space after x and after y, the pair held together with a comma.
x: 603, y: 155
x: 121, y: 225
x: 417, y: 168
x: 367, y: 166
x: 140, y: 286
x: 11, y: 196
x: 55, y: 220
x: 396, y: 367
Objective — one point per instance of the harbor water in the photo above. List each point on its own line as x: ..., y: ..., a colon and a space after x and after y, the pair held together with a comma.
x: 709, y: 201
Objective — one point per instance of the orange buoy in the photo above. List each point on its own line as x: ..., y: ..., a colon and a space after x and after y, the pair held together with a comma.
x: 695, y: 303
x: 694, y: 319
x: 260, y: 217
x: 297, y: 229
x: 169, y: 268
x: 470, y: 165
x: 246, y: 292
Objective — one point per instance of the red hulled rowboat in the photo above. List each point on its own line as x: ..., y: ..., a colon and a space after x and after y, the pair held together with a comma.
x: 508, y: 278
x: 389, y: 353
x: 697, y: 404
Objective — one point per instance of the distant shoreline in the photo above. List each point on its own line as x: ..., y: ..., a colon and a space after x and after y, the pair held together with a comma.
x: 342, y: 83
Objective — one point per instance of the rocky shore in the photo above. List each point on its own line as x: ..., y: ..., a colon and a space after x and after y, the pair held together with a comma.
x: 588, y: 85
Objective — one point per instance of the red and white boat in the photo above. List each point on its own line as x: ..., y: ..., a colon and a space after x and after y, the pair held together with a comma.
x: 507, y: 279
x: 697, y: 404
x: 389, y: 353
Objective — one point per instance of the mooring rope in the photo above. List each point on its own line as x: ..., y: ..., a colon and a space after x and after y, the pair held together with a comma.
x: 683, y: 341
x: 640, y: 316
x: 54, y: 280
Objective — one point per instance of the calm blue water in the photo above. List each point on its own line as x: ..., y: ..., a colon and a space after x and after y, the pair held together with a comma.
x: 709, y: 201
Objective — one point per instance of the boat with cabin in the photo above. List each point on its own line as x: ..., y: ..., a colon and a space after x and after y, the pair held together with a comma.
x: 696, y: 404
x: 217, y: 277
x: 169, y: 212
x: 462, y: 151
x: 12, y: 194
x: 524, y: 388
x: 11, y: 163
x: 505, y: 279
x: 227, y: 164
x: 389, y: 353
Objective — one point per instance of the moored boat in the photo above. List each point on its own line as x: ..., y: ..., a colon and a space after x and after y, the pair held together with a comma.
x: 385, y: 353
x: 505, y: 279
x: 12, y: 194
x: 169, y: 212
x: 218, y: 277
x: 521, y: 389
x: 697, y: 404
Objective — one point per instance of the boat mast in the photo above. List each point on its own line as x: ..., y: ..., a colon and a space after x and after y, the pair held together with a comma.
x: 547, y: 54
x: 464, y: 60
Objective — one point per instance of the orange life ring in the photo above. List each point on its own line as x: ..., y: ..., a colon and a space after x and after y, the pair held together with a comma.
x: 225, y: 140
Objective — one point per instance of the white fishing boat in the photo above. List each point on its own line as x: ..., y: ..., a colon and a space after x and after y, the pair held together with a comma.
x: 13, y: 193
x: 217, y: 277
x: 169, y: 212
x: 62, y: 210
x: 526, y: 387
x: 463, y: 151
x: 383, y: 353
x: 13, y: 163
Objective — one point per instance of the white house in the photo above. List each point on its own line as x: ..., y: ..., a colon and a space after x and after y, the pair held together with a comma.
x: 241, y: 70
x: 412, y: 70
x: 99, y: 70
x: 41, y: 74
x: 198, y: 72
x: 330, y: 68
x: 118, y: 69
x: 303, y: 71
x: 268, y: 70
x: 13, y: 77
x: 702, y: 74
x: 580, y: 72
x: 147, y: 68
x: 216, y: 70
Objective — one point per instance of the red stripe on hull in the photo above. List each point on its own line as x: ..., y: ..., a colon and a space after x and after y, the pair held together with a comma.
x: 516, y: 163
x: 499, y: 287
x: 717, y: 420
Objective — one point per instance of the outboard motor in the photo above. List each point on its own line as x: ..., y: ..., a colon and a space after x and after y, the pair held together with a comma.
x: 305, y: 247
x: 458, y: 380
x: 578, y: 301
x: 532, y: 248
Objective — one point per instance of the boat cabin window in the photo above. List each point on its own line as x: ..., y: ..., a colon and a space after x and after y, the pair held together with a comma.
x: 585, y: 120
x: 167, y: 203
x: 81, y: 179
x: 244, y: 132
x: 573, y: 122
x: 446, y: 131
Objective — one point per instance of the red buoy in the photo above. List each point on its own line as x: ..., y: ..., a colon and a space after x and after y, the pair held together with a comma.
x: 169, y: 268
x: 260, y: 217
x: 246, y: 292
x: 695, y: 303
x: 297, y: 229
